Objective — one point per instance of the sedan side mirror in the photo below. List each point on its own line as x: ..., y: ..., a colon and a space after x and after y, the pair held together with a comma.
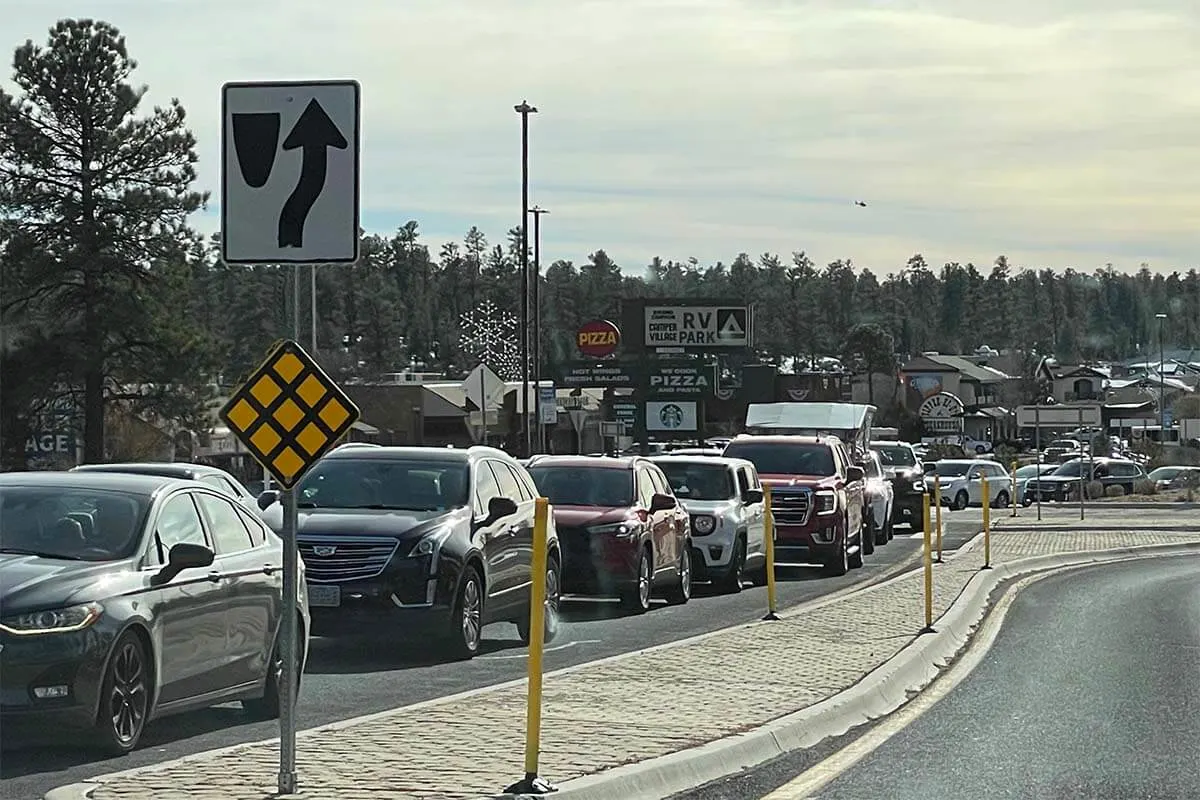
x: 752, y: 496
x: 855, y: 474
x: 663, y: 502
x: 267, y: 499
x: 500, y: 507
x: 183, y: 556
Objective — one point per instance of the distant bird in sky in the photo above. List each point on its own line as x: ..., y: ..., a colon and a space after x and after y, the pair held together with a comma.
x: 860, y: 203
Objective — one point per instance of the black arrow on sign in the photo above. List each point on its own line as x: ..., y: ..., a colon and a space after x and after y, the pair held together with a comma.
x: 314, y: 132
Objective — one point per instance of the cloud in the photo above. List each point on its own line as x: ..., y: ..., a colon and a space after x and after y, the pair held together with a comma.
x: 1059, y: 132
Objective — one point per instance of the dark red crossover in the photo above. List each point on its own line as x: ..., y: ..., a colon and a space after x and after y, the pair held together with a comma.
x: 621, y: 529
x: 817, y: 498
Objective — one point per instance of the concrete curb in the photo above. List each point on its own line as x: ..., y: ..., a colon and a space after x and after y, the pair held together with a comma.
x: 1088, y: 527
x: 879, y: 693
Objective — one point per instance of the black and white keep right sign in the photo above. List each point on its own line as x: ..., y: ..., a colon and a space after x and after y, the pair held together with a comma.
x: 698, y: 326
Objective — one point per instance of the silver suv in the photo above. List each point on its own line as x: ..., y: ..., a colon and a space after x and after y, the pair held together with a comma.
x: 724, y: 501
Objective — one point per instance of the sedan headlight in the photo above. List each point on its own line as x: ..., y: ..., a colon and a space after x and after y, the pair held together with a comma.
x: 624, y: 530
x: 826, y: 502
x: 429, y: 543
x: 61, y: 620
x: 704, y: 524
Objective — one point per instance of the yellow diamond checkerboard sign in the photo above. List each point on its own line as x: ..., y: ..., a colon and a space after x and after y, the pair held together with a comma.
x: 289, y: 413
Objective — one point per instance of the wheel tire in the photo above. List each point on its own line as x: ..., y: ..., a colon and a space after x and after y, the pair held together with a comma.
x: 841, y: 563
x: 1027, y: 501
x: 961, y: 500
x: 731, y: 581
x: 881, y: 534
x: 867, y: 535
x: 124, y: 696
x: 1002, y: 500
x: 267, y: 707
x: 681, y: 592
x: 980, y: 449
x: 466, y: 632
x: 553, y: 623
x: 891, y: 529
x: 637, y: 599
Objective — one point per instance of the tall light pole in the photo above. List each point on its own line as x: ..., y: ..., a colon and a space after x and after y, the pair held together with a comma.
x: 537, y: 212
x: 312, y: 275
x: 1162, y: 383
x: 524, y: 109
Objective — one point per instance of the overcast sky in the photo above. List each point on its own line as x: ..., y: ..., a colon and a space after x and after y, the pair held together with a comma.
x: 1059, y: 132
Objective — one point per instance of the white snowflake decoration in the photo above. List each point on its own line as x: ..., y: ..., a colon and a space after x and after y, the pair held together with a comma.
x: 490, y: 335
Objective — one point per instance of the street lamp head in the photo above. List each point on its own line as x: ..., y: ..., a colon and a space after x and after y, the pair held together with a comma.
x: 539, y: 210
x: 525, y: 108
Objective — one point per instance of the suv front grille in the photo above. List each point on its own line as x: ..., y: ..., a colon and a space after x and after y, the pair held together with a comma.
x: 791, y: 507
x: 338, y: 559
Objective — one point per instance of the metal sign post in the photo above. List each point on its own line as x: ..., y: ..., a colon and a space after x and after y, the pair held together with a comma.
x: 289, y: 414
x: 1037, y: 445
x: 1083, y: 480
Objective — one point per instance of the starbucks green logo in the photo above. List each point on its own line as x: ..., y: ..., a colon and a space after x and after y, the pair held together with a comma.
x: 671, y: 416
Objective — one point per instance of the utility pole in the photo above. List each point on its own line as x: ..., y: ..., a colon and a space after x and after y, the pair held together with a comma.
x: 537, y: 212
x: 524, y: 109
x: 1162, y: 383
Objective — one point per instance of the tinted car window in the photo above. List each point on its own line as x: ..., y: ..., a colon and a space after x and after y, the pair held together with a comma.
x: 230, y: 535
x: 699, y: 481
x: 785, y: 459
x: 57, y: 522
x: 178, y: 523
x: 946, y: 469
x: 645, y: 487
x: 258, y: 531
x: 412, y: 484
x: 486, y: 487
x: 584, y: 486
x: 896, y: 455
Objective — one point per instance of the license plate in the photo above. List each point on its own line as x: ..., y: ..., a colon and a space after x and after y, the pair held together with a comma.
x: 324, y: 596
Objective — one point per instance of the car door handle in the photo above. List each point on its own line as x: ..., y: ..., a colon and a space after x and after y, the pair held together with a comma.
x: 214, y: 577
x: 269, y: 569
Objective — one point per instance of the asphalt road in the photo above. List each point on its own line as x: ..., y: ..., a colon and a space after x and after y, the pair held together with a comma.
x: 347, y: 679
x: 1089, y: 691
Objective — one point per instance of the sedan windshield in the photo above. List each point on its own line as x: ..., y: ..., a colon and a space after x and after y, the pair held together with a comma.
x: 564, y: 485
x: 774, y: 458
x: 692, y: 481
x: 1029, y: 471
x: 896, y: 455
x: 376, y: 483
x: 69, y: 523
x: 951, y: 469
x: 1072, y: 469
x: 1165, y: 473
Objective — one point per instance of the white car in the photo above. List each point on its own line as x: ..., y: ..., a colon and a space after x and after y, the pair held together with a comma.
x: 724, y: 499
x: 962, y: 485
x: 880, y: 496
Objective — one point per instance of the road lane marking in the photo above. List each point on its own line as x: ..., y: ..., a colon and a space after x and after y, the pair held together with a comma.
x: 557, y: 647
x: 823, y: 773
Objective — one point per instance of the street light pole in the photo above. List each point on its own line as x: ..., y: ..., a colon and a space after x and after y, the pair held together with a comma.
x: 537, y: 212
x: 1162, y: 384
x: 524, y: 109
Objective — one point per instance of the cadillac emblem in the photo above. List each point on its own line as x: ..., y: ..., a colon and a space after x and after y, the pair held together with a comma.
x: 324, y: 550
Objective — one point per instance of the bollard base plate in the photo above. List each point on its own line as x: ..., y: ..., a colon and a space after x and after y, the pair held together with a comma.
x: 531, y: 784
x: 924, y: 631
x: 771, y: 617
x: 985, y: 566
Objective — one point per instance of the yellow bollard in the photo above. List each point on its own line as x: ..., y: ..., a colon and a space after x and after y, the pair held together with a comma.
x: 769, y: 540
x: 1013, y: 493
x: 987, y: 521
x: 532, y: 783
x: 937, y: 501
x: 928, y: 566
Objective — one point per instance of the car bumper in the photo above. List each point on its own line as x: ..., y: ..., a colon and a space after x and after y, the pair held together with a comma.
x: 598, y: 564
x: 70, y: 666
x: 406, y: 600
x: 818, y: 542
x: 908, y: 507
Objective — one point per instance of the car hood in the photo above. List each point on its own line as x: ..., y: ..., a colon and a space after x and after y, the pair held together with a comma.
x: 584, y: 516
x: 799, y: 481
x: 714, y: 507
x: 400, y: 524
x: 903, y: 473
x: 32, y: 583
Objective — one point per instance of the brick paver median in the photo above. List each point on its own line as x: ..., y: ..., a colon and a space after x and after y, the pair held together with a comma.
x: 604, y: 715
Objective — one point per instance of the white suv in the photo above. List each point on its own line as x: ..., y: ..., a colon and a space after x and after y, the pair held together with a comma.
x: 962, y: 486
x: 724, y: 499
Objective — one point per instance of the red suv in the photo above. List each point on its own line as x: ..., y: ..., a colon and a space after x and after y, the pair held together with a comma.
x: 621, y: 530
x: 817, y: 497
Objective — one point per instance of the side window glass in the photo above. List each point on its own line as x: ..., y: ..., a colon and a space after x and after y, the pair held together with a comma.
x: 178, y: 523
x: 645, y: 488
x: 233, y: 490
x: 257, y: 531
x: 225, y: 525
x: 659, y: 481
x: 485, y: 487
x: 506, y: 482
x: 743, y: 480
x: 527, y: 493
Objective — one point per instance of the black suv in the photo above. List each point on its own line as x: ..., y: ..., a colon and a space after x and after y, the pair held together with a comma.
x: 904, y: 470
x: 427, y: 541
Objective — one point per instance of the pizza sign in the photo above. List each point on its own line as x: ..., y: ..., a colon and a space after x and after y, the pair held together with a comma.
x: 941, y: 406
x: 598, y: 339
